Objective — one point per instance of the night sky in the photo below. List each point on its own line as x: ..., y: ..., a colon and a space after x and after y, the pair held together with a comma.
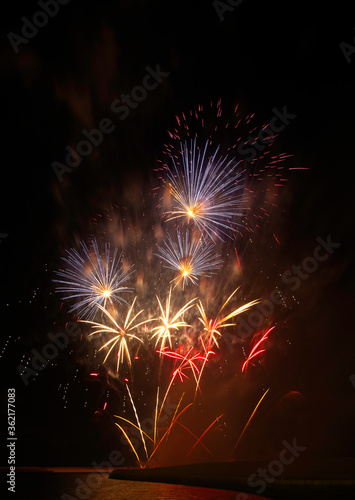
x: 263, y: 55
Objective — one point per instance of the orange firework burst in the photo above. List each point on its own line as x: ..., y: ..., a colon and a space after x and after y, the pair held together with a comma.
x: 120, y: 334
x: 212, y: 326
x: 190, y: 257
x: 169, y: 322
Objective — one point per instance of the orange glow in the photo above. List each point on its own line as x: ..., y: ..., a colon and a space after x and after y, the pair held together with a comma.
x: 185, y: 269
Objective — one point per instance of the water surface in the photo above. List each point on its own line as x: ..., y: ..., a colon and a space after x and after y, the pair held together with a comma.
x: 71, y: 486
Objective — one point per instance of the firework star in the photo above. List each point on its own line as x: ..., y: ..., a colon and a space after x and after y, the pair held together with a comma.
x: 206, y: 190
x: 190, y: 257
x: 92, y: 279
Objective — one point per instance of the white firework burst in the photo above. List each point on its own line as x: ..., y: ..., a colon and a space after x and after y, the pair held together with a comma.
x: 206, y: 190
x: 190, y: 257
x: 91, y: 279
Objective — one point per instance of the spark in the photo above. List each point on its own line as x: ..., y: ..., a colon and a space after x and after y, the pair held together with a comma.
x: 138, y: 421
x: 138, y: 427
x: 204, y: 433
x: 197, y: 439
x: 130, y: 443
x: 207, y: 354
x: 212, y: 326
x: 92, y: 279
x: 206, y: 190
x: 239, y: 264
x: 135, y: 426
x: 120, y: 333
x: 191, y: 258
x: 169, y: 321
x: 187, y: 361
x: 250, y: 419
x: 254, y: 352
x: 276, y: 238
x: 156, y: 415
x: 167, y: 432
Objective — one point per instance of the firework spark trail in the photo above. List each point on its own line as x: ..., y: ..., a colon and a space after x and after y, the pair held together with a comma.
x: 194, y: 436
x: 186, y: 362
x: 93, y: 279
x: 120, y: 333
x: 191, y: 258
x: 172, y: 420
x: 239, y: 264
x: 167, y: 432
x: 162, y: 332
x: 203, y: 434
x: 207, y: 354
x: 253, y: 352
x: 138, y: 421
x: 206, y: 190
x: 130, y: 443
x: 156, y: 416
x: 212, y: 326
x: 135, y: 426
x: 250, y: 419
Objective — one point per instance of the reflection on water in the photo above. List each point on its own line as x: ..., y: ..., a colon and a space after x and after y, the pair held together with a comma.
x: 72, y: 486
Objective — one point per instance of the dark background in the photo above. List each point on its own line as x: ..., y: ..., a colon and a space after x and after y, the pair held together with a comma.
x: 263, y: 55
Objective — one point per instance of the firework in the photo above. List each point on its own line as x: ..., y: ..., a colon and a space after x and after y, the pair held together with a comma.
x: 204, y: 434
x: 254, y: 352
x: 129, y: 441
x: 168, y: 321
x: 212, y: 326
x: 207, y: 197
x: 265, y: 172
x: 198, y: 440
x: 143, y: 434
x: 186, y: 362
x: 138, y: 421
x: 250, y: 419
x: 92, y: 279
x: 191, y: 258
x: 120, y: 334
x: 205, y: 190
x: 173, y: 422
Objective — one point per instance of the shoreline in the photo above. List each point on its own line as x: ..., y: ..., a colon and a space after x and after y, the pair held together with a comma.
x: 311, y: 479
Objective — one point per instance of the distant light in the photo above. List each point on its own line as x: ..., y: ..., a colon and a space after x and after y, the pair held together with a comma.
x: 94, y: 374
